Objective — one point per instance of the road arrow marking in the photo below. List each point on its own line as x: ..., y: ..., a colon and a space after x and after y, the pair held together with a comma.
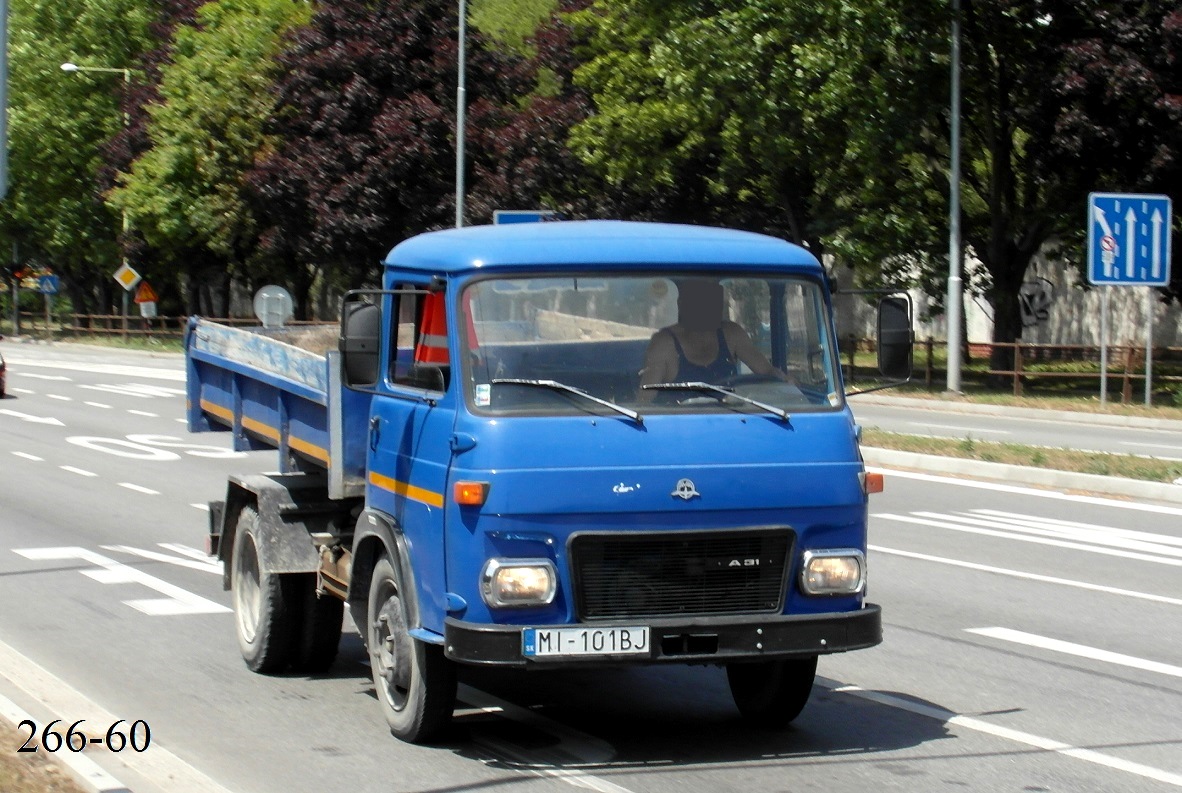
x: 1130, y: 242
x: 33, y: 419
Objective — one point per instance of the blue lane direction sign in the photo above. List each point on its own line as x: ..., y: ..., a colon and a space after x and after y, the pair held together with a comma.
x: 1128, y: 239
x: 503, y: 216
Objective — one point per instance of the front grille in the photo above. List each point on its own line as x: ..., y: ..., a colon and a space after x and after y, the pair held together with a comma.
x: 674, y: 574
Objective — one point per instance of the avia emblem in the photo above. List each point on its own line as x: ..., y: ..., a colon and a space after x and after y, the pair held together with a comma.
x: 685, y: 490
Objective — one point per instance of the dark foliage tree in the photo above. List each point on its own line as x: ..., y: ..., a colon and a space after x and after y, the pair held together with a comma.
x: 366, y: 129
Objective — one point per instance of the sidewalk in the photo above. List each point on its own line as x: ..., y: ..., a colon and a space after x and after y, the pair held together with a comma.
x: 1015, y: 474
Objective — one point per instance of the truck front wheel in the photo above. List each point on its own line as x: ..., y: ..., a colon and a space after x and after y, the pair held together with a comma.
x: 772, y: 693
x: 263, y: 614
x: 415, y: 683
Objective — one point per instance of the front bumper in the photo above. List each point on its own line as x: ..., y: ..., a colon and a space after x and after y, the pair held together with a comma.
x: 710, y: 640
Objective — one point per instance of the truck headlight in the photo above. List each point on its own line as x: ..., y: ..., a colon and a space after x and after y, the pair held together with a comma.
x: 518, y: 582
x: 833, y: 572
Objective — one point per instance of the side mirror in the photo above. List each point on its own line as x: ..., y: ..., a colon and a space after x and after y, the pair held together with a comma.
x: 895, y: 338
x: 360, y: 344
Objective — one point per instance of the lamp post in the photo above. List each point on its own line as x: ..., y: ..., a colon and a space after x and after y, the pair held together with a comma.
x: 461, y: 109
x: 73, y: 67
x: 952, y: 309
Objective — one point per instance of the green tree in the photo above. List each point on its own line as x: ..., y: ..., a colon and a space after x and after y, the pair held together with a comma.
x: 58, y: 122
x: 185, y: 194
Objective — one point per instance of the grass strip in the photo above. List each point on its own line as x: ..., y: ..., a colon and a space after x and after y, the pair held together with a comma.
x: 1127, y: 466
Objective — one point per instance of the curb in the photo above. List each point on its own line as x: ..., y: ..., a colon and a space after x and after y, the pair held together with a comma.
x: 1069, y: 416
x: 1045, y: 477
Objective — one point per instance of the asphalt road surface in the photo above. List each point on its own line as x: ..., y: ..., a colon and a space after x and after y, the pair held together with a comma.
x: 1032, y: 639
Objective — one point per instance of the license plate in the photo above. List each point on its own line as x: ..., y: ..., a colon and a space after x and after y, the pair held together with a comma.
x: 568, y: 642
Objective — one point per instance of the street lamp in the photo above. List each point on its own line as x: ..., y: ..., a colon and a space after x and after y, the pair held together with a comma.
x: 73, y: 67
x: 953, y: 305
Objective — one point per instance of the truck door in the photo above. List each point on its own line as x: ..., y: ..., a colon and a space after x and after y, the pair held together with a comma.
x: 409, y: 452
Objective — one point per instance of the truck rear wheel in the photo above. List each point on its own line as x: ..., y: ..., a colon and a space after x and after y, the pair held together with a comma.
x: 319, y: 634
x: 415, y: 683
x: 264, y: 615
x: 772, y: 693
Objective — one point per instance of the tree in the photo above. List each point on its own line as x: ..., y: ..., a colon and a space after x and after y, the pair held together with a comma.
x: 835, y: 116
x: 58, y: 121
x: 185, y: 193
x: 365, y: 151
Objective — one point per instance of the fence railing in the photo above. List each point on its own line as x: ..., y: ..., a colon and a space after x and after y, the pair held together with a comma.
x: 1029, y: 363
x: 1074, y: 364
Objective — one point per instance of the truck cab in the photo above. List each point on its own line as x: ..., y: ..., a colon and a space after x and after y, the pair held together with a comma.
x: 596, y: 443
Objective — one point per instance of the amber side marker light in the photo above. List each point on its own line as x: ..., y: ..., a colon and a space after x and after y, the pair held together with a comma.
x: 470, y: 494
x: 871, y: 483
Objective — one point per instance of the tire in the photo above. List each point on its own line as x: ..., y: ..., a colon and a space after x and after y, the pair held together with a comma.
x: 415, y: 683
x: 265, y: 616
x: 316, y: 641
x: 771, y: 694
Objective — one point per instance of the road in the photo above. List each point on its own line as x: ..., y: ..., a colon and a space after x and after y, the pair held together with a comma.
x: 1031, y: 638
x: 1053, y: 429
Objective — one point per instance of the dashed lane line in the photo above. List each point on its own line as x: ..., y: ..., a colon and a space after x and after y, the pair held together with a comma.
x: 1017, y: 736
x: 139, y: 488
x: 1078, y: 650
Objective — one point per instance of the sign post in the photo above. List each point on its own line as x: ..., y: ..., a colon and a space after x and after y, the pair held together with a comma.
x: 48, y: 284
x: 126, y: 277
x: 1128, y: 245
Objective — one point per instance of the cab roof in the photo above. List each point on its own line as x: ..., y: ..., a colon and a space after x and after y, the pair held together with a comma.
x: 578, y: 244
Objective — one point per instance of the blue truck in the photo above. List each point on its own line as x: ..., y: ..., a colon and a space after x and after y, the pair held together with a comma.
x: 552, y: 445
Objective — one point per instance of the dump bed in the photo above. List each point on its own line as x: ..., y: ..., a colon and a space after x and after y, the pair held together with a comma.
x: 271, y: 392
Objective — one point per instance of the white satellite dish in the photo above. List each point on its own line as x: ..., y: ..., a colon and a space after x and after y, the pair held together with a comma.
x: 273, y: 306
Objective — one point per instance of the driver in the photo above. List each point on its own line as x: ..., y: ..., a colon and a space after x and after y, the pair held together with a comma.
x: 703, y: 346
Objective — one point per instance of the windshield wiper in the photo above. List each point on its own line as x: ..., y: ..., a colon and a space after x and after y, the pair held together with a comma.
x: 570, y: 389
x: 697, y: 385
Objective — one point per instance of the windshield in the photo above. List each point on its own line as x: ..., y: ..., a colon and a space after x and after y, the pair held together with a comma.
x: 650, y: 343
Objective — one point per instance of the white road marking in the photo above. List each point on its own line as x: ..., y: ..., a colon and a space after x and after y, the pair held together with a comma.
x: 1036, y: 527
x: 1046, y: 744
x: 21, y: 391
x: 1172, y: 446
x: 175, y: 601
x: 946, y: 522
x: 1078, y: 650
x: 98, y: 405
x: 193, y: 553
x: 56, y: 698
x: 33, y: 376
x: 60, y: 397
x: 144, y: 413
x: 99, y: 368
x: 204, y: 507
x: 28, y: 456
x: 138, y: 390
x: 139, y: 489
x: 204, y: 566
x: 997, y: 487
x: 955, y: 428
x: 560, y: 761
x: 33, y: 419
x: 79, y: 471
x: 1090, y: 530
x: 985, y: 568
x: 122, y: 448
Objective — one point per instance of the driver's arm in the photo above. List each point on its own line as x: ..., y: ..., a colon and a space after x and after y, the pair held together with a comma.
x: 660, y: 363
x: 745, y: 350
